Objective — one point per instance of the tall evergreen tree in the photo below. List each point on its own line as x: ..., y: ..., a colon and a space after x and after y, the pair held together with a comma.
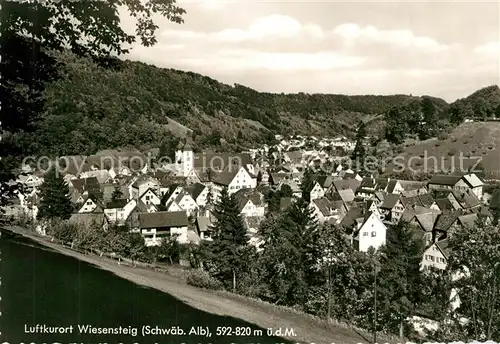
x: 399, y: 277
x: 307, y: 184
x: 55, y: 201
x: 359, y: 153
x: 230, y: 239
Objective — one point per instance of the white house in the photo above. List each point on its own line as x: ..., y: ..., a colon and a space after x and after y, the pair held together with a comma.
x: 200, y: 193
x: 317, y: 191
x: 185, y: 202
x: 435, y: 256
x: 118, y: 211
x: 236, y: 179
x: 89, y: 204
x: 372, y: 233
x: 141, y: 184
x: 150, y: 197
x: 475, y: 184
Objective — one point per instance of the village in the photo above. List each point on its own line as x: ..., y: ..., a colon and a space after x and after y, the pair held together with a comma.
x: 159, y: 200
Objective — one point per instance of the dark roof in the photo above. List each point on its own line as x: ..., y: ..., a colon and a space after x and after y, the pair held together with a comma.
x: 325, y: 206
x: 444, y: 204
x: 325, y: 181
x: 381, y: 183
x: 116, y: 204
x: 444, y: 180
x: 424, y: 200
x: 345, y: 184
x: 368, y: 183
x: 466, y: 199
x: 195, y: 190
x: 351, y: 216
x: 390, y: 201
x: 163, y: 219
x: 427, y: 221
x: 90, y: 185
x: 443, y: 245
x: 391, y: 185
x: 445, y: 221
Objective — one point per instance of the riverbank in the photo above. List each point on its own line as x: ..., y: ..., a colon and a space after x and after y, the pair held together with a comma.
x: 307, y: 329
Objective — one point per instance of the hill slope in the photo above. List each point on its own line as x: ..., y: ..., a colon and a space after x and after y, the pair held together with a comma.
x: 91, y: 108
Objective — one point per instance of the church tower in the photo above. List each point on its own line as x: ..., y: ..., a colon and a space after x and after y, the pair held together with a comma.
x: 184, y: 160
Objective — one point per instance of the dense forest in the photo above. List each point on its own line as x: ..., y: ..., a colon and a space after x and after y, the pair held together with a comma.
x: 89, y: 106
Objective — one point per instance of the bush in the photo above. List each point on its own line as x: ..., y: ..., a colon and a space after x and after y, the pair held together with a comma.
x: 202, y: 279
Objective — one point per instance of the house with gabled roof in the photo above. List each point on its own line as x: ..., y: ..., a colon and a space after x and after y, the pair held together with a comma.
x: 466, y: 199
x: 204, y: 224
x: 350, y: 221
x: 235, y: 179
x: 326, y: 210
x: 183, y: 201
x: 162, y: 224
x: 251, y: 203
x: 392, y: 208
x: 80, y: 188
x: 436, y: 256
x: 446, y: 224
x: 394, y: 187
x: 90, y: 204
x: 173, y: 191
x: 118, y: 211
x: 445, y: 205
x: 346, y: 184
x: 142, y: 183
x: 371, y: 233
x: 150, y: 197
x: 424, y: 200
x: 473, y: 183
x: 293, y: 157
x: 199, y: 193
x: 443, y: 182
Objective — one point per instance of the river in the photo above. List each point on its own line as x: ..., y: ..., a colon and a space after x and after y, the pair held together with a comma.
x: 59, y: 293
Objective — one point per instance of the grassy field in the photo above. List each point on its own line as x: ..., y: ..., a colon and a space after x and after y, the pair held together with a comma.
x: 474, y: 142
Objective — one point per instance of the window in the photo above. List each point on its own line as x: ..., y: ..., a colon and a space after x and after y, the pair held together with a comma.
x: 374, y: 234
x: 147, y: 198
x: 365, y: 234
x: 432, y: 258
x: 89, y: 202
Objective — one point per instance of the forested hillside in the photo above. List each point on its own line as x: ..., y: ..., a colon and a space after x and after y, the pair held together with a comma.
x: 90, y: 107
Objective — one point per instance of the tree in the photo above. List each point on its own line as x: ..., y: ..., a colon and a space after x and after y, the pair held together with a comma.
x: 55, y: 200
x: 307, y: 184
x: 229, y: 240
x: 474, y: 261
x: 495, y: 205
x: 117, y: 194
x: 358, y: 155
x: 396, y: 126
x: 290, y: 253
x: 168, y: 147
x: 170, y: 248
x: 335, y: 254
x: 399, y: 277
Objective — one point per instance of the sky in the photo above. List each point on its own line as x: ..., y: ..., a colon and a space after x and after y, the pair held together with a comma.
x: 446, y: 49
